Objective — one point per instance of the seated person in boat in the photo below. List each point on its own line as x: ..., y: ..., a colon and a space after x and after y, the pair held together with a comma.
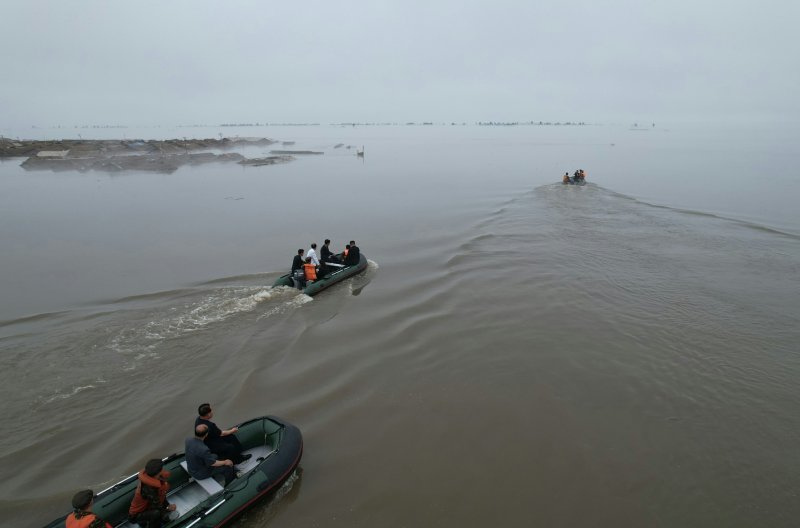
x: 565, y: 179
x: 201, y: 462
x: 353, y: 255
x: 149, y: 508
x: 222, y: 443
x: 310, y: 270
x: 82, y: 516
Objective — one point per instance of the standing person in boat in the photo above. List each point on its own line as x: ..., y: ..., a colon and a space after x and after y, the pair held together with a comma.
x: 312, y: 254
x: 82, y: 516
x: 327, y: 254
x: 221, y: 443
x: 201, y: 462
x: 149, y: 508
x: 324, y: 257
x: 354, y: 255
x: 297, y: 270
x: 297, y: 262
x: 310, y: 270
x: 328, y: 259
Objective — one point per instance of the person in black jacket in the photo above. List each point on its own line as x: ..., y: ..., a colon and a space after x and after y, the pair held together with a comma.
x: 354, y: 255
x: 328, y: 257
x: 221, y: 443
x: 327, y: 254
x: 297, y: 263
x: 297, y: 270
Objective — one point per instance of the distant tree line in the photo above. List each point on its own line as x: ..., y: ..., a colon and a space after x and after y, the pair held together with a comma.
x: 266, y: 124
x: 535, y: 123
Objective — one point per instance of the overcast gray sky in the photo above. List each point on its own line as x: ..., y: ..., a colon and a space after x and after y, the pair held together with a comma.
x: 190, y: 62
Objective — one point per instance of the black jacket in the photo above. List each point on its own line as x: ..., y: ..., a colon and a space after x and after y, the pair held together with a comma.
x: 297, y: 263
x: 326, y: 253
x: 353, y: 256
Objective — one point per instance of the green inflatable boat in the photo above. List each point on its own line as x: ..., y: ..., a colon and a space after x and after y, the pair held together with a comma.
x: 276, y: 447
x: 336, y: 274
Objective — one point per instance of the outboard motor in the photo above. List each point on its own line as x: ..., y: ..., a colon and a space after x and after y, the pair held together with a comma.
x: 299, y: 279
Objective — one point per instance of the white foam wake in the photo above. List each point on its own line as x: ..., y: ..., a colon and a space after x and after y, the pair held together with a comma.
x: 63, y: 395
x: 141, y: 342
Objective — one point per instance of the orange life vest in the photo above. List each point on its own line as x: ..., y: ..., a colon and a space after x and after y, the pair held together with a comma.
x: 83, y: 522
x: 311, y: 271
x: 139, y: 503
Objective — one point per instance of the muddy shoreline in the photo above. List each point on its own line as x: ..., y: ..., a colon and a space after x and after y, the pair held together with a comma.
x: 114, y: 155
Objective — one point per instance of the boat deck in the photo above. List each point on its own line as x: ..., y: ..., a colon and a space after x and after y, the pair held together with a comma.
x: 187, y: 497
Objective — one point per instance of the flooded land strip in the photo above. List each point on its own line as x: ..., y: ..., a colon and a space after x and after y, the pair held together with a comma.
x: 115, y: 155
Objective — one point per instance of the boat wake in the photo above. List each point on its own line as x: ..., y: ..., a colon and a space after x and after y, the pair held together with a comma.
x: 141, y: 340
x: 693, y: 212
x: 260, y: 516
x: 553, y: 189
x: 63, y: 395
x: 295, y: 299
x: 121, y: 337
x: 360, y: 281
x: 133, y: 335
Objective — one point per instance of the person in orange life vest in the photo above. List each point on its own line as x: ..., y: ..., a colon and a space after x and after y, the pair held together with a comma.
x: 565, y: 179
x: 82, y: 516
x: 310, y: 269
x: 346, y: 251
x: 150, y: 508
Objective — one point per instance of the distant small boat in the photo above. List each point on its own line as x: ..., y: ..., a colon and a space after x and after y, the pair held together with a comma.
x: 360, y: 153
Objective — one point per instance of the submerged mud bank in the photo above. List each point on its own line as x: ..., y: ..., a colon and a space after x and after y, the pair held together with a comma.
x: 137, y: 155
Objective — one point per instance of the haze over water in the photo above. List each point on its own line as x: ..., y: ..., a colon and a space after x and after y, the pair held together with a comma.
x: 518, y: 352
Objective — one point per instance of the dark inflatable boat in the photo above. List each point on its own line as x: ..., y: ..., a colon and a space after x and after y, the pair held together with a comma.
x: 276, y: 448
x: 335, y: 275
